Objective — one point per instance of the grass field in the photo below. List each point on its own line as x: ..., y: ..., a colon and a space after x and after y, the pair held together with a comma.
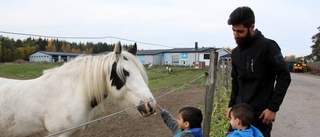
x: 24, y: 70
x: 159, y: 79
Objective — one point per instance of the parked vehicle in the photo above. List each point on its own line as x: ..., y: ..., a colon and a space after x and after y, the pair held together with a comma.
x: 300, y: 67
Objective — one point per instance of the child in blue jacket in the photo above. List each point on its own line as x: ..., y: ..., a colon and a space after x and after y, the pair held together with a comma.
x: 241, y: 117
x: 188, y: 123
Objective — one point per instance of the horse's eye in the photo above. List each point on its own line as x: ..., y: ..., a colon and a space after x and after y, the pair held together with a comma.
x: 115, y: 78
x: 125, y: 72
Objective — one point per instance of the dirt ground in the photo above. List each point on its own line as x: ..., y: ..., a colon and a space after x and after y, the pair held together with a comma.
x: 130, y: 124
x: 298, y: 116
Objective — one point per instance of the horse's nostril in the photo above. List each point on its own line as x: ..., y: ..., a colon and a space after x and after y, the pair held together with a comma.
x: 141, y: 107
x: 151, y: 110
x: 146, y: 109
x: 149, y: 105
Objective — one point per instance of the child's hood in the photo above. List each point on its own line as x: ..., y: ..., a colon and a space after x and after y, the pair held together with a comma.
x: 256, y: 132
x: 251, y: 132
x: 197, y: 132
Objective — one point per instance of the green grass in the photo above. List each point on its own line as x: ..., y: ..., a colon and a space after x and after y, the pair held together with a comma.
x: 24, y: 70
x: 219, y: 123
x: 159, y: 79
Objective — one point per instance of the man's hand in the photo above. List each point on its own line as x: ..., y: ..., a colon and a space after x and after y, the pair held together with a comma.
x: 268, y: 116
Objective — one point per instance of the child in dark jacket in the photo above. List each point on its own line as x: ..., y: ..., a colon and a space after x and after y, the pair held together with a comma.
x: 241, y: 117
x: 188, y: 123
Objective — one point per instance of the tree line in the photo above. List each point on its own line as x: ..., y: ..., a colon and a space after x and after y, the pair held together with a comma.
x: 12, y: 50
x: 315, y: 53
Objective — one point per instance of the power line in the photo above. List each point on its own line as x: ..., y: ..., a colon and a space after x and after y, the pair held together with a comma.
x: 103, y: 37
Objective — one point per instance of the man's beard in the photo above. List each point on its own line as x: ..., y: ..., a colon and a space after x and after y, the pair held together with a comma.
x: 245, y: 40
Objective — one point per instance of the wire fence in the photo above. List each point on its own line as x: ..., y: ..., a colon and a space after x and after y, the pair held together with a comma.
x: 221, y: 85
x: 124, y: 110
x: 221, y: 91
x: 219, y: 124
x: 217, y: 85
x: 86, y: 38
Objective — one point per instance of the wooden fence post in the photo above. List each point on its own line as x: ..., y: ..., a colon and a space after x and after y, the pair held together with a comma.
x: 223, y: 72
x: 209, y: 96
x: 218, y: 84
x: 228, y: 76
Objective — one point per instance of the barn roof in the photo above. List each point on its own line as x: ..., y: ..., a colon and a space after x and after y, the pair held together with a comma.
x: 190, y: 50
x: 61, y: 53
x: 151, y: 52
x: 175, y: 50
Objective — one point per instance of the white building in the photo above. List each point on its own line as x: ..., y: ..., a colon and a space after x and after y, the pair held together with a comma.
x: 179, y: 56
x: 171, y: 57
x: 46, y: 56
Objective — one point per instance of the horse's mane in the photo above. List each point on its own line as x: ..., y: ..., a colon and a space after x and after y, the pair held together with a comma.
x: 94, y: 72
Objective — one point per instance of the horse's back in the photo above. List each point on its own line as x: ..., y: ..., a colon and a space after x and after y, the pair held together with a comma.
x: 33, y: 107
x: 15, y: 110
x: 5, y: 85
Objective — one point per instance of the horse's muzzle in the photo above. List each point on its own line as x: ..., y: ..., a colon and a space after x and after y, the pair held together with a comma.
x: 147, y: 108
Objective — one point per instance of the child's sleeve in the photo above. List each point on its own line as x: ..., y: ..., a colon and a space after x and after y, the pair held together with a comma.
x: 170, y: 121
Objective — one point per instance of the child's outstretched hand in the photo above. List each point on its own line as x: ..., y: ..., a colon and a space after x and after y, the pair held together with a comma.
x: 160, y: 108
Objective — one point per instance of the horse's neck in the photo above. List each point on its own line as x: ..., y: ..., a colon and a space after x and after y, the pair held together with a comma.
x: 94, y: 77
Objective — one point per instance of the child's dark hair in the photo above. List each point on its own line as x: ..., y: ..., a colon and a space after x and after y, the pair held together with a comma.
x: 192, y: 115
x: 242, y: 15
x: 243, y: 112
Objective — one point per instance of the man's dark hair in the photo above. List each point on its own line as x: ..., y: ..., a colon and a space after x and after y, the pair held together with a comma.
x: 242, y: 15
x: 243, y: 112
x: 192, y: 115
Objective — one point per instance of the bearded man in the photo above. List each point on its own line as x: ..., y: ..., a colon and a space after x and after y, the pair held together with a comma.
x: 260, y: 76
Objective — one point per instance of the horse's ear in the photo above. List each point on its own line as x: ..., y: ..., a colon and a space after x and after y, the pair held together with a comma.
x: 117, y: 48
x: 133, y: 49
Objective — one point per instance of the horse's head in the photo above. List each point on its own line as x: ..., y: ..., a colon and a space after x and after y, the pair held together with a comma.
x: 129, y: 81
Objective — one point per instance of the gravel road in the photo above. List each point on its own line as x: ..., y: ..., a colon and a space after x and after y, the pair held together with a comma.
x: 299, y: 114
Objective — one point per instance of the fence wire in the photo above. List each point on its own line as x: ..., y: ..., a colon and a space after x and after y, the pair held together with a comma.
x: 113, y: 114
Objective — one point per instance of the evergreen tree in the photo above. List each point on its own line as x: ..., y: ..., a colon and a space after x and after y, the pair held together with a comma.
x: 0, y: 51
x: 42, y: 44
x: 315, y: 47
x: 11, y: 50
x: 18, y: 43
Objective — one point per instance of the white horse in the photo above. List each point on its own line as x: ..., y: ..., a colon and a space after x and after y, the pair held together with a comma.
x: 63, y: 97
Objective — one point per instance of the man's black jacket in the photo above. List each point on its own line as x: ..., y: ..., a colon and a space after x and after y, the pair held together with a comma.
x: 256, y: 67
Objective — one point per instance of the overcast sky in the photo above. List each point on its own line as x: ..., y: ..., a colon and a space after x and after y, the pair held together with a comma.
x: 159, y: 24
